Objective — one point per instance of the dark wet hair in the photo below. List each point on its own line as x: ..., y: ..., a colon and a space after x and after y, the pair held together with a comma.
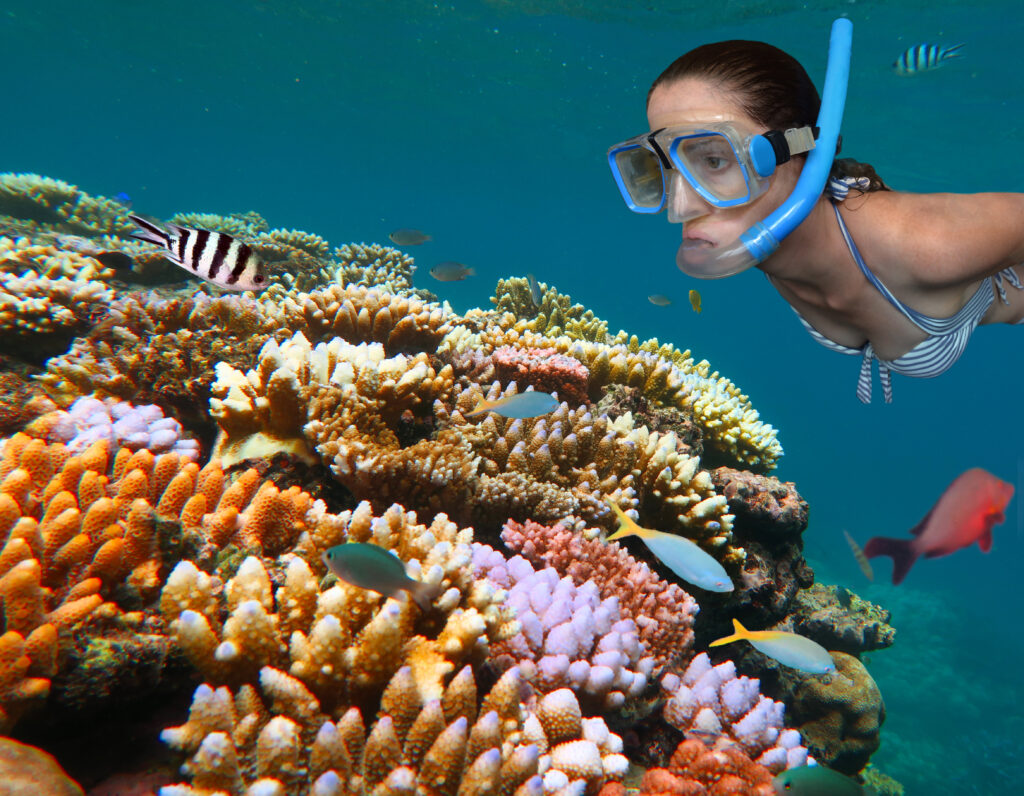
x: 770, y: 86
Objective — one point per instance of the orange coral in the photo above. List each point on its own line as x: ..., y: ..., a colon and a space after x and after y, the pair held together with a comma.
x: 696, y: 770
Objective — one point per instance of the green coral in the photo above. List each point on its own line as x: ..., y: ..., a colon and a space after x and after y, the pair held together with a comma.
x: 556, y: 315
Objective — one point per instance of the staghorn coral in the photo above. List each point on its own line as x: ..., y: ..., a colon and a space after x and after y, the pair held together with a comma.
x: 663, y: 612
x: 696, y: 770
x: 711, y: 702
x: 555, y: 316
x: 119, y: 424
x: 59, y: 205
x: 452, y: 744
x: 732, y: 430
x: 152, y: 350
x: 344, y: 642
x: 570, y: 637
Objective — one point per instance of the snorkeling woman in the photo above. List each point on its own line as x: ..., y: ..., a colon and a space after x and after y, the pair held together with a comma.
x: 742, y: 153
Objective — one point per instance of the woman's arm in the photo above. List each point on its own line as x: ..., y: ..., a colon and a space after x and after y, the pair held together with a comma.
x: 950, y: 240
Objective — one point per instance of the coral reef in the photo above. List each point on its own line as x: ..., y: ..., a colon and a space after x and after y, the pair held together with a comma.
x: 663, y: 612
x: 373, y: 265
x: 569, y: 637
x: 711, y: 702
x: 119, y: 424
x: 448, y: 744
x: 840, y: 717
x: 696, y: 770
x: 57, y: 204
x: 555, y: 316
x: 27, y: 771
x: 862, y: 626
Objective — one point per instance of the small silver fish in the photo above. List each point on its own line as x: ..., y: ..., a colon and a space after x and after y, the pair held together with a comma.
x: 370, y: 566
x: 521, y: 405
x: 408, y: 237
x: 659, y: 300
x: 212, y: 256
x: 535, y: 295
x: 451, y: 271
x: 924, y: 58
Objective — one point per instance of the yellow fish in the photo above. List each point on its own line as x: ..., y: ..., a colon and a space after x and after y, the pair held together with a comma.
x: 521, y: 405
x: 789, y: 649
x: 862, y: 560
x: 695, y: 300
x: 677, y: 553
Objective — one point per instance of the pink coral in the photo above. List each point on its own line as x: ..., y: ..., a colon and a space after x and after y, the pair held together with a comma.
x: 663, y: 612
x: 712, y: 702
x: 545, y: 369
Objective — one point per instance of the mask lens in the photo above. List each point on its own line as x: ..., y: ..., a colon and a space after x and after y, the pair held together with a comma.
x: 711, y: 163
x: 641, y: 176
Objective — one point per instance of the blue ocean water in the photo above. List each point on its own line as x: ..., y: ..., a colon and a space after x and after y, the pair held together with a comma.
x: 486, y: 124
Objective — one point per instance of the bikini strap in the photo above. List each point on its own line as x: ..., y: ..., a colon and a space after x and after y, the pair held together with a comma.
x: 864, y: 378
x: 1010, y: 276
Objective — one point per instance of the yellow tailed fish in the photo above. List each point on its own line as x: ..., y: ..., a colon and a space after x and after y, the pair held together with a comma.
x: 789, y: 649
x: 369, y: 566
x: 695, y: 300
x: 520, y: 405
x: 677, y: 553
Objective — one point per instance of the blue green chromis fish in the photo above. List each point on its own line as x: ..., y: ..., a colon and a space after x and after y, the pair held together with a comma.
x: 789, y: 649
x: 818, y: 781
x: 677, y: 553
x: 519, y: 406
x: 369, y: 566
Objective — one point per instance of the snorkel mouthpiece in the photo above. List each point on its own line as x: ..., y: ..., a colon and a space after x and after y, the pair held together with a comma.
x: 762, y: 239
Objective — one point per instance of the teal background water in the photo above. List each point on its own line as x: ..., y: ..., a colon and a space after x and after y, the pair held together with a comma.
x: 486, y: 124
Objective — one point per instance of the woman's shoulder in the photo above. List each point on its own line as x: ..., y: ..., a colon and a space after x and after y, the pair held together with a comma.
x: 941, y: 239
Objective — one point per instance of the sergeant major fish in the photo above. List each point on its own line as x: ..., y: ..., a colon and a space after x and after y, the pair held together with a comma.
x: 924, y: 58
x: 213, y: 256
x: 370, y: 566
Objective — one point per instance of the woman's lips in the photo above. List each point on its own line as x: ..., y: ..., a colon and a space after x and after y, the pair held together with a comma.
x: 696, y: 242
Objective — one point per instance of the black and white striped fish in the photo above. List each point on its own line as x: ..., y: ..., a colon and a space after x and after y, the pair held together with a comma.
x: 218, y: 258
x: 923, y: 57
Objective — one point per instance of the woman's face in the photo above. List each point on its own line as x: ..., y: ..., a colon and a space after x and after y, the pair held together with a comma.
x: 695, y: 100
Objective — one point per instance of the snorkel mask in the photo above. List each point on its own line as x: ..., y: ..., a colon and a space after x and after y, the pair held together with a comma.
x: 728, y: 168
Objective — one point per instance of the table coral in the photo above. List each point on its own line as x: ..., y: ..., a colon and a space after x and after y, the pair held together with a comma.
x: 711, y: 702
x: 343, y: 642
x: 161, y: 351
x: 570, y: 636
x: 61, y: 205
x: 663, y: 612
x: 453, y: 743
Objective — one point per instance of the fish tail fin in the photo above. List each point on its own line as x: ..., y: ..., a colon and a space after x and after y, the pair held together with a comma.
x: 424, y: 594
x: 739, y: 633
x: 899, y: 550
x: 624, y: 528
x: 470, y: 272
x: 954, y: 51
x: 150, y: 232
x: 483, y: 406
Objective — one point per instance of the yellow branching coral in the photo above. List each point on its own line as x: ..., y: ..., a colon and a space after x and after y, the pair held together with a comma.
x: 344, y: 642
x: 555, y: 316
x: 732, y: 429
x: 454, y: 744
x: 18, y: 255
x: 56, y: 203
x: 299, y: 396
x: 32, y: 306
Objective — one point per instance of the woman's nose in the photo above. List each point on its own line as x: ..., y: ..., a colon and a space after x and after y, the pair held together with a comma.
x: 684, y: 204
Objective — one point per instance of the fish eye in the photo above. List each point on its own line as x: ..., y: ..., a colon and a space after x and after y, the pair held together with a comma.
x: 260, y: 279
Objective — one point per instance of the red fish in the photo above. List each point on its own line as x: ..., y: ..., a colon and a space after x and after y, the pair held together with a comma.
x: 965, y: 514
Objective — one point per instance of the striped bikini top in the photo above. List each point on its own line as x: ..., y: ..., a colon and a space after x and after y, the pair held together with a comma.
x: 947, y: 337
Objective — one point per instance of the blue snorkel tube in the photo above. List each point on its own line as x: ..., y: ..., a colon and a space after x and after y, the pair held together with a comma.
x: 762, y: 239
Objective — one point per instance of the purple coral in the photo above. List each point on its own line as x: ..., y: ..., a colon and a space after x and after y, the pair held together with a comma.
x: 570, y: 637
x: 120, y: 424
x: 711, y: 701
